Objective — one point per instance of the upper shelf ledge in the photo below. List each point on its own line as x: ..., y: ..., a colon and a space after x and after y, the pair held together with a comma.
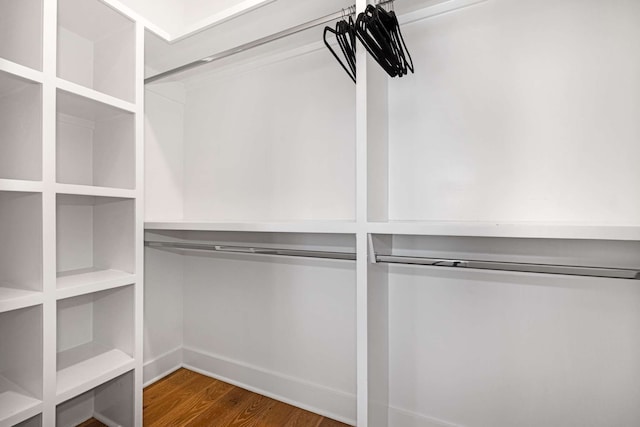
x: 527, y: 230
x: 331, y: 227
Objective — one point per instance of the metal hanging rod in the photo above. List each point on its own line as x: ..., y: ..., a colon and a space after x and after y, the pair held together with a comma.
x: 252, y: 250
x: 259, y: 42
x: 613, y: 273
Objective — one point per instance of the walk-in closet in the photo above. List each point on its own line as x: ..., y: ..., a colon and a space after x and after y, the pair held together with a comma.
x: 387, y: 213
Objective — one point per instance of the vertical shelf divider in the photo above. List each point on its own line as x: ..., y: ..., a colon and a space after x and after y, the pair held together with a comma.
x: 49, y: 316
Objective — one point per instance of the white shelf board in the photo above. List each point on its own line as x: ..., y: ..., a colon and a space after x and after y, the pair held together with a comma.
x: 88, y: 190
x: 20, y: 71
x: 94, y: 95
x: 88, y: 280
x: 87, y: 366
x: 13, y: 298
x: 15, y: 404
x: 330, y: 227
x: 20, y: 185
x: 508, y: 230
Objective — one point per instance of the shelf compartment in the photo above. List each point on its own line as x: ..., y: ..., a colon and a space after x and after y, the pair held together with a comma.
x: 20, y: 365
x: 110, y: 403
x: 20, y: 128
x: 96, y: 48
x: 95, y: 340
x: 95, y: 143
x: 93, y: 234
x: 21, y: 258
x: 21, y: 32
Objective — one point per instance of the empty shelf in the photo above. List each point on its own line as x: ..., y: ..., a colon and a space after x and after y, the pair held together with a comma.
x: 15, y: 404
x: 87, y: 366
x: 12, y: 298
x: 79, y: 282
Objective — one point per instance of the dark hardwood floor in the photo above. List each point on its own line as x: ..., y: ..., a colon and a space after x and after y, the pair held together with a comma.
x: 186, y: 398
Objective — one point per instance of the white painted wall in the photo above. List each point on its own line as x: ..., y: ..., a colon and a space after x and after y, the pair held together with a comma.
x: 164, y: 151
x: 283, y: 327
x: 163, y: 312
x: 519, y: 111
x: 276, y: 142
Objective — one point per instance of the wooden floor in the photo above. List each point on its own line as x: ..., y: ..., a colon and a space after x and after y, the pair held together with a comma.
x: 186, y: 398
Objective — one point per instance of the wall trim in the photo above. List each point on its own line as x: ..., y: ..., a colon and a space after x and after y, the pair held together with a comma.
x: 322, y: 400
x: 161, y: 366
x: 405, y: 418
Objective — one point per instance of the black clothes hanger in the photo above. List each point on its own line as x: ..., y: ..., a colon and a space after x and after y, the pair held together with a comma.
x: 377, y: 40
x: 379, y: 32
x: 390, y: 20
x: 345, y: 35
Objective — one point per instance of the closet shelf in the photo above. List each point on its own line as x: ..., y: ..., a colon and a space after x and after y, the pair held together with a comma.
x: 88, y: 190
x: 524, y: 230
x: 94, y: 95
x: 13, y: 298
x: 87, y: 366
x: 87, y: 280
x: 329, y: 227
x: 20, y: 71
x: 20, y: 185
x: 15, y: 404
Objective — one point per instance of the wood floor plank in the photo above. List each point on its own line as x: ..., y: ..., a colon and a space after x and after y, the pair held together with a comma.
x: 328, y: 422
x: 92, y: 423
x: 188, y: 399
x: 250, y: 417
x: 300, y: 418
x: 276, y: 415
x: 172, y: 402
x: 225, y: 409
x: 199, y: 403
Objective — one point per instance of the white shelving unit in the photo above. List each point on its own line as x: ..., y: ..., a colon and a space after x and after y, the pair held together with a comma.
x: 95, y: 143
x: 21, y: 259
x: 20, y: 128
x: 20, y: 365
x: 70, y: 212
x: 97, y: 48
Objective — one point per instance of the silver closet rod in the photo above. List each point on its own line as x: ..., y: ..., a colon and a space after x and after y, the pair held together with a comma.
x: 252, y: 250
x: 259, y: 42
x: 613, y: 273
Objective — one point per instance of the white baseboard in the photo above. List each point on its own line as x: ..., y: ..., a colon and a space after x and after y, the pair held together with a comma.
x: 331, y: 403
x: 402, y: 418
x: 162, y: 366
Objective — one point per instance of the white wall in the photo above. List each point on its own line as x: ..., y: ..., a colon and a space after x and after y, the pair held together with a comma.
x: 164, y: 151
x: 282, y: 327
x: 276, y: 142
x: 491, y: 350
x: 519, y: 111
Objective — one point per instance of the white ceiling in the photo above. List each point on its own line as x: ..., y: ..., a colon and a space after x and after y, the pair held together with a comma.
x: 260, y: 18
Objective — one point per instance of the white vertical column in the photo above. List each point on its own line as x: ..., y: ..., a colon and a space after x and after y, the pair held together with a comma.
x: 372, y: 196
x: 361, y: 236
x: 49, y: 316
x: 139, y: 224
